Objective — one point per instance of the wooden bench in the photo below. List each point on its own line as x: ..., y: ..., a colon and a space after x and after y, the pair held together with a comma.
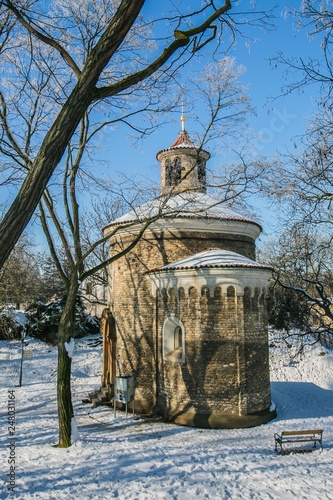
x: 314, y: 435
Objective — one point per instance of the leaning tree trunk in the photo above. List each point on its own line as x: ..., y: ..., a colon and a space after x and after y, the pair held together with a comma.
x: 56, y: 140
x: 66, y: 332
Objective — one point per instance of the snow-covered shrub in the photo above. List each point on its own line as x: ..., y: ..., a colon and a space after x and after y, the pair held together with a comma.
x: 12, y: 324
x: 44, y: 319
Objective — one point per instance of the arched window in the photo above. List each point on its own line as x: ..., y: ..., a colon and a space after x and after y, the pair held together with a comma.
x: 173, y: 340
x: 168, y: 173
x: 177, y: 166
x: 202, y: 172
x: 173, y: 172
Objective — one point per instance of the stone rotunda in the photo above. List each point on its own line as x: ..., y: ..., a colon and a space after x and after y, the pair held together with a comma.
x: 187, y: 305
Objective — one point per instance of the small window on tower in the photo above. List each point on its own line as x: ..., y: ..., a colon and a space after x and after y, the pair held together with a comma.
x: 201, y: 172
x: 177, y: 171
x: 173, y: 172
x: 168, y: 173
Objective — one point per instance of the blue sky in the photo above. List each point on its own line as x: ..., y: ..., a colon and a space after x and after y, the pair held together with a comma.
x: 279, y: 120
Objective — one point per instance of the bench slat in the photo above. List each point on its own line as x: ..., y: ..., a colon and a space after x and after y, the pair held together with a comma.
x: 301, y: 433
x: 300, y: 440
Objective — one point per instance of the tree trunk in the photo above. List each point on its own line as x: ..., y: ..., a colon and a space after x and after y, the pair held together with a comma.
x: 65, y: 407
x: 64, y: 126
x: 85, y: 92
x: 66, y: 332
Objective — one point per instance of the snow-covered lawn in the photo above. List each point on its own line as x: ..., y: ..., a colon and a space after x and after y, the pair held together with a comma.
x: 136, y: 458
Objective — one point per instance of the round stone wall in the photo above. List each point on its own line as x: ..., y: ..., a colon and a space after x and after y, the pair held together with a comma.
x: 134, y: 306
x: 218, y: 375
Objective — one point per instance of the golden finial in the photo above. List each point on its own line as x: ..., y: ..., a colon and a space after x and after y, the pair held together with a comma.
x: 182, y: 118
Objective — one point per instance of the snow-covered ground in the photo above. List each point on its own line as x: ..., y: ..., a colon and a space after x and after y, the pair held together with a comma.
x: 135, y: 458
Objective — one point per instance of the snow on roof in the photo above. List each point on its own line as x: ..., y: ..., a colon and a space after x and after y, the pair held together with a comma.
x: 185, y: 205
x: 213, y: 259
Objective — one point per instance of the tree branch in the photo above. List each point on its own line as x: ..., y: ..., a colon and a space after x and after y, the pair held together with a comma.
x: 50, y: 243
x: 44, y: 38
x: 182, y: 39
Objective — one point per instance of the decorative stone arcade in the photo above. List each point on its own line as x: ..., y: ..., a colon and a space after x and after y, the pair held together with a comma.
x: 213, y: 357
x: 188, y: 304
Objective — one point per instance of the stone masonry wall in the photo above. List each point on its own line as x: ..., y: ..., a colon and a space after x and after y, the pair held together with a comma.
x: 225, y: 374
x: 256, y: 351
x: 133, y: 305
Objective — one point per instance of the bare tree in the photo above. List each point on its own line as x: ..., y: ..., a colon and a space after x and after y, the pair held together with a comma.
x: 301, y: 302
x: 67, y: 61
x: 91, y: 54
x: 20, y: 278
x: 81, y: 247
x: 302, y: 254
x: 316, y: 18
x: 303, y: 189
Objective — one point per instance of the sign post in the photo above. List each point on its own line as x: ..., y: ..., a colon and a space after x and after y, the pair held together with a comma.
x: 22, y: 352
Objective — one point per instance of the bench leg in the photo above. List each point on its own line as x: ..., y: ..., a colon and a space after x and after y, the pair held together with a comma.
x: 276, y: 446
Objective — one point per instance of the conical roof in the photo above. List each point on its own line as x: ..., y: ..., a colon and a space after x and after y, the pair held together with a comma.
x: 184, y: 141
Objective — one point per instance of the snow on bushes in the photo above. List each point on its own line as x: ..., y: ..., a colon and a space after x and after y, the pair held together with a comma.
x: 41, y: 320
